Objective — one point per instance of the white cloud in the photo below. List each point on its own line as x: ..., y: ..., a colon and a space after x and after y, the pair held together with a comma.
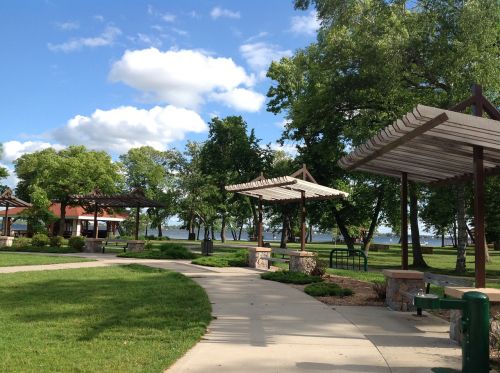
x: 179, y: 31
x: 118, y: 130
x: 218, y: 12
x: 107, y: 37
x: 260, y: 55
x: 98, y: 18
x: 240, y: 99
x: 289, y: 149
x: 257, y: 36
x: 145, y: 39
x: 308, y: 24
x: 168, y: 17
x: 282, y: 125
x: 14, y: 149
x: 11, y: 180
x: 186, y: 78
x: 68, y: 26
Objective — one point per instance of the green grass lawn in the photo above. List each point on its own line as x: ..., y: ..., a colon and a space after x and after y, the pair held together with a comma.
x: 10, y: 259
x: 114, y: 319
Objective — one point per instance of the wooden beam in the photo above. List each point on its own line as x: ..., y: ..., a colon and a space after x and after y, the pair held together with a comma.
x: 479, y: 212
x: 96, y: 224
x: 303, y: 221
x: 5, y: 219
x: 137, y: 216
x: 403, y: 139
x: 404, y: 220
x: 260, y: 239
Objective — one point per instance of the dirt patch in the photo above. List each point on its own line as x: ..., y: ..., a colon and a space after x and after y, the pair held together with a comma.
x: 364, y: 295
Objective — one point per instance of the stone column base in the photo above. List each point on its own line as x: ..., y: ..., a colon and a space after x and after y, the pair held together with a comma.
x: 93, y: 245
x: 400, y: 282
x: 135, y: 246
x: 6, y: 241
x: 256, y: 255
x: 302, y: 261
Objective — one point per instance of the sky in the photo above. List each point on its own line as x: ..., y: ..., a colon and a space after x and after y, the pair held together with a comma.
x: 113, y: 75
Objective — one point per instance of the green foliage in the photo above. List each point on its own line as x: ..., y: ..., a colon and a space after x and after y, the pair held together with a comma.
x: 77, y: 243
x: 40, y: 240
x: 325, y: 289
x: 38, y: 216
x: 57, y: 241
x: 21, y: 242
x: 120, y: 318
x: 235, y: 259
x: 41, y: 249
x: 290, y: 277
x: 164, y: 251
x: 10, y: 259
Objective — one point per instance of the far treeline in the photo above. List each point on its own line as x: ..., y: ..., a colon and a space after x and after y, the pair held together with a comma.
x: 372, y: 62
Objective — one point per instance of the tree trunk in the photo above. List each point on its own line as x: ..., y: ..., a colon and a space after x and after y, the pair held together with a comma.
x: 212, y: 233
x: 223, y: 229
x: 239, y: 233
x: 284, y: 232
x: 418, y: 258
x: 462, y: 231
x: 343, y: 230
x: 198, y: 233
x: 62, y: 220
x: 160, y: 231
x: 455, y: 236
x: 442, y: 238
x: 373, y: 224
x: 486, y: 251
x: 469, y: 232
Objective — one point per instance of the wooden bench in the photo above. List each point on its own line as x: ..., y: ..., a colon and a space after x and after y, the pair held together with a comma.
x: 283, y: 252
x: 115, y: 243
x: 442, y: 281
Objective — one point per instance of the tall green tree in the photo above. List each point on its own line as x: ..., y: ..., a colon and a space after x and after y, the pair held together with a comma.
x: 74, y: 170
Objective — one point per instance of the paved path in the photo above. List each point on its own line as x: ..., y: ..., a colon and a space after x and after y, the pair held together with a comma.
x: 264, y: 326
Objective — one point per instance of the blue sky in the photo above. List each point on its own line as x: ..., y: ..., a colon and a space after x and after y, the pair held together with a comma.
x: 114, y: 75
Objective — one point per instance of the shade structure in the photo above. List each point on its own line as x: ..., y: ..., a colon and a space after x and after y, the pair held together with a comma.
x: 136, y: 199
x: 286, y: 189
x: 7, y: 199
x: 432, y: 145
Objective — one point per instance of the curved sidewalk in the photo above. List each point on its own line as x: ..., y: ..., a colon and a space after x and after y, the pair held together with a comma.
x: 265, y: 326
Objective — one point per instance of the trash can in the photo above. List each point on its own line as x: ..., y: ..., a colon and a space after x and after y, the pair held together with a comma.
x: 207, y: 247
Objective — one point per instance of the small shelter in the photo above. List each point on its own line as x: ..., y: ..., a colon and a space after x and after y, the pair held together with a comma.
x: 7, y: 200
x: 287, y: 189
x: 436, y: 146
x: 96, y: 200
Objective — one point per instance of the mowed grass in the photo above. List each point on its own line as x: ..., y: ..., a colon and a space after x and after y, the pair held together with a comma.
x: 10, y: 259
x: 115, y: 319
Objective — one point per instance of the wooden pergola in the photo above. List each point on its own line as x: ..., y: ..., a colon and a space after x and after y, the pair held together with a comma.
x: 286, y: 189
x: 436, y: 146
x: 96, y: 200
x: 7, y: 199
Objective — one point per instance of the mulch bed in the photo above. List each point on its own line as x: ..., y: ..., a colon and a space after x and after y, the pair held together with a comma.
x: 364, y: 295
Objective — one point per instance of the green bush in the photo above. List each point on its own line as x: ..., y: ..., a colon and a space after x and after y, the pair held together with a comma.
x: 57, y: 241
x: 77, y: 243
x: 40, y: 240
x: 234, y: 259
x: 21, y: 242
x: 164, y: 251
x: 290, y: 277
x: 325, y: 289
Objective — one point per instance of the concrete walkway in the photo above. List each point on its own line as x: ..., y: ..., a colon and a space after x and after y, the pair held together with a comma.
x: 265, y: 326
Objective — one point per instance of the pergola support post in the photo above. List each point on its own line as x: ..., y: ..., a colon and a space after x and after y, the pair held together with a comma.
x: 5, y: 220
x: 96, y: 225
x: 404, y: 220
x: 137, y: 212
x: 302, y: 221
x: 260, y: 235
x: 479, y: 233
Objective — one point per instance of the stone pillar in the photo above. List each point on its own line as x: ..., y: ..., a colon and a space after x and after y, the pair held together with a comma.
x: 399, y: 284
x: 6, y: 241
x: 135, y: 246
x: 256, y: 255
x: 93, y: 245
x: 75, y: 229
x: 302, y: 261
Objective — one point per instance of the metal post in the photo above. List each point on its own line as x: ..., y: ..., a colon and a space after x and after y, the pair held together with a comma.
x: 475, y: 333
x: 480, y: 269
x: 302, y: 220
x: 5, y: 219
x: 404, y: 220
x: 137, y: 222
x: 96, y: 225
x: 260, y: 235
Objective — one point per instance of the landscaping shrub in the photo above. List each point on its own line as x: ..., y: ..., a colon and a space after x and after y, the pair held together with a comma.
x: 324, y: 289
x: 164, y: 251
x: 21, y: 242
x: 57, y: 241
x: 380, y: 288
x: 40, y: 240
x: 77, y: 243
x: 320, y: 269
x: 235, y: 259
x: 290, y: 277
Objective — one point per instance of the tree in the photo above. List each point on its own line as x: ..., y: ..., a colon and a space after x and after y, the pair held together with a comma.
x: 3, y: 171
x: 154, y: 172
x: 74, y: 170
x: 374, y: 61
x: 230, y: 155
